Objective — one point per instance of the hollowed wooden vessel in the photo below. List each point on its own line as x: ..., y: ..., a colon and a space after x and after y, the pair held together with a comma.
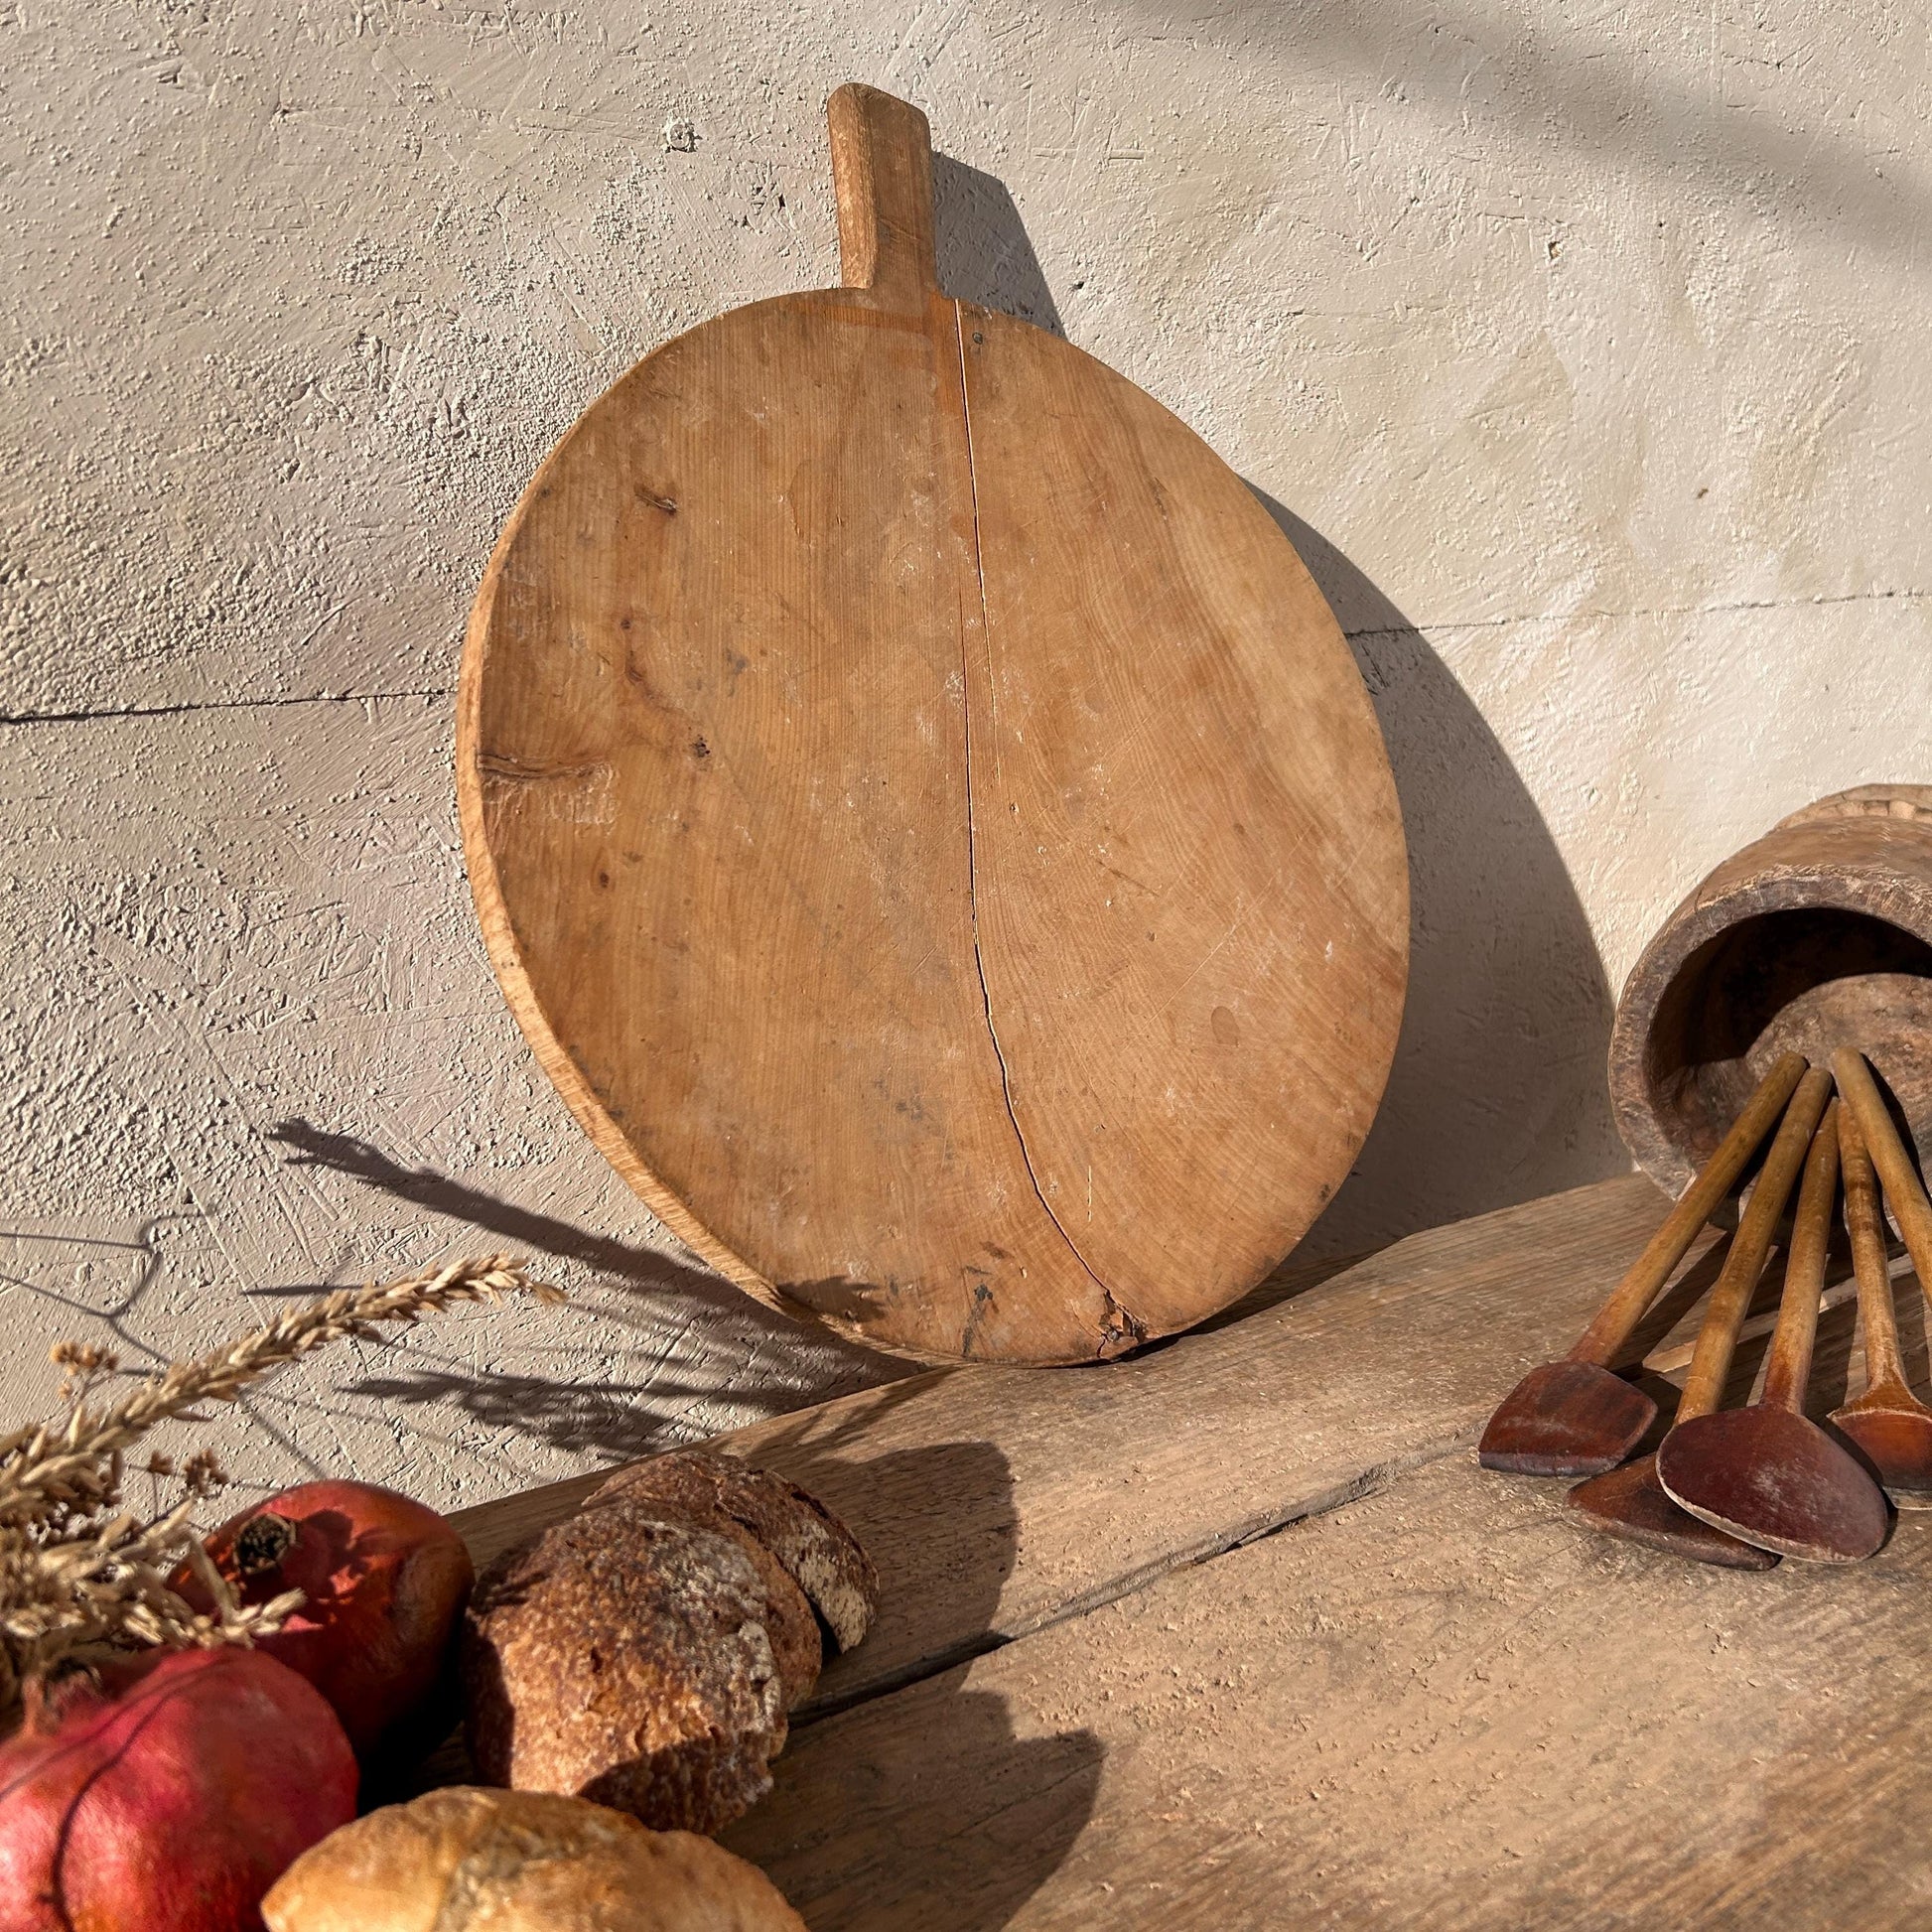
x: 1818, y: 936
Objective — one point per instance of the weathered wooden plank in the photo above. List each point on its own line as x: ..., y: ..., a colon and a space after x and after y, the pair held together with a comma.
x: 997, y: 1501
x: 1446, y: 1705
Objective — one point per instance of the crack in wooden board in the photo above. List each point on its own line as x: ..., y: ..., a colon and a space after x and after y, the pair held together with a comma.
x: 1447, y: 1706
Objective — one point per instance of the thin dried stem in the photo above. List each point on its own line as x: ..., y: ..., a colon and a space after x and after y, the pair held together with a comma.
x: 62, y: 1461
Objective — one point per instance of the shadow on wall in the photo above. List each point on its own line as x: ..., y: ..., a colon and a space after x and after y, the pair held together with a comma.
x: 906, y: 1798
x: 1498, y: 1092
x: 643, y: 1268
x: 1533, y: 75
x: 982, y: 247
x: 603, y: 1417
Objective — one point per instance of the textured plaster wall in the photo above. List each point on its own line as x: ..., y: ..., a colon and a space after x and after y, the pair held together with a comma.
x: 1581, y: 348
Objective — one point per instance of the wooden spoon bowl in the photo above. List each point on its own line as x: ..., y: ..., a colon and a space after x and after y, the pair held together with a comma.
x: 1633, y: 1504
x: 1896, y: 1440
x: 1565, y: 1418
x: 1775, y: 1479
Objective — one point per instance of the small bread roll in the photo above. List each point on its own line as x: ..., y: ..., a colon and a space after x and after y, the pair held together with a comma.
x: 471, y: 1861
x: 633, y: 1662
x: 645, y: 1653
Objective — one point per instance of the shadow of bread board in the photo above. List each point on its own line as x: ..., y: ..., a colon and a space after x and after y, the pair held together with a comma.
x: 926, y: 818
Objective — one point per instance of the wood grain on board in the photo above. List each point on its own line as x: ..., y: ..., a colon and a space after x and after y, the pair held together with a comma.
x: 926, y: 818
x: 1446, y: 1705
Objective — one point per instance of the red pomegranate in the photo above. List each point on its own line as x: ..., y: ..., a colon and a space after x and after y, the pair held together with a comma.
x: 170, y: 1797
x: 385, y: 1579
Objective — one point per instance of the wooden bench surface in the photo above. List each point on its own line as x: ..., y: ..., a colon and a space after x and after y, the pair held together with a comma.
x: 1236, y: 1633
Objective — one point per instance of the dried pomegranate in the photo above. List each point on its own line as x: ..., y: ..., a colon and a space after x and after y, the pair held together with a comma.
x: 385, y: 1579
x: 170, y: 1797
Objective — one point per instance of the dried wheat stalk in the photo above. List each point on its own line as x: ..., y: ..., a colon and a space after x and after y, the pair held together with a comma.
x: 79, y: 1575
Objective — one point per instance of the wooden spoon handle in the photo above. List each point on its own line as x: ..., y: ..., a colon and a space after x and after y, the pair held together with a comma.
x: 1718, y: 1338
x: 1865, y: 1222
x: 1620, y: 1314
x: 882, y: 174
x: 1903, y: 1189
x: 1789, y: 1369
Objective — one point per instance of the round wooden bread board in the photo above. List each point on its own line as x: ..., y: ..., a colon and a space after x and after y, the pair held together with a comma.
x: 926, y: 818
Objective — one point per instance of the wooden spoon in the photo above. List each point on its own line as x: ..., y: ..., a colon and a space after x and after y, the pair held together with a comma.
x: 1575, y: 1417
x: 1888, y: 1423
x: 1631, y: 1502
x: 1767, y: 1473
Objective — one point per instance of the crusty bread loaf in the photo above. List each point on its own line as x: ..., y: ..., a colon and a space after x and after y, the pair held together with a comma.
x: 644, y: 1654
x: 471, y: 1861
x: 633, y: 1662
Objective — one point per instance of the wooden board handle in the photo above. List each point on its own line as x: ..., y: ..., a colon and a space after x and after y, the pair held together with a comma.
x: 881, y: 173
x: 1903, y: 1189
x: 1864, y: 1221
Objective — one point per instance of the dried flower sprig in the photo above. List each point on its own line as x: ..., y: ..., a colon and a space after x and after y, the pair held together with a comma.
x: 79, y: 1576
